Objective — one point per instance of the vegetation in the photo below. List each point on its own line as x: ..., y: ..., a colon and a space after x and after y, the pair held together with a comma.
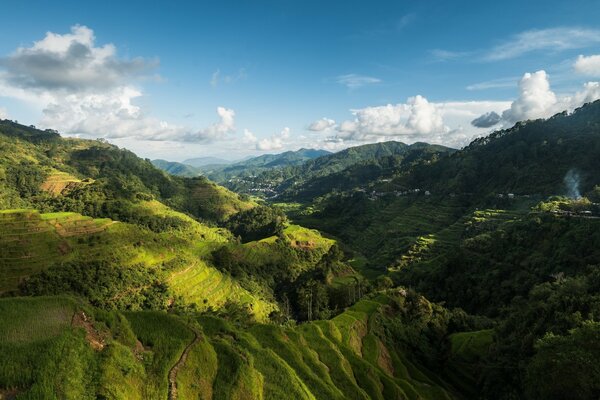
x: 139, y: 284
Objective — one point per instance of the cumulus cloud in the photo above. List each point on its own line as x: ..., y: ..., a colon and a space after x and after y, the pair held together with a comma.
x: 535, y: 100
x: 589, y: 65
x: 275, y: 142
x: 71, y: 62
x: 415, y: 117
x: 249, y: 137
x: 554, y: 39
x: 85, y: 88
x: 486, y: 120
x: 321, y: 125
x: 354, y: 81
x: 3, y: 113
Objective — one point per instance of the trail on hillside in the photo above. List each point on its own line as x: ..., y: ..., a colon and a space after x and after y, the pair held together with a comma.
x: 175, y: 369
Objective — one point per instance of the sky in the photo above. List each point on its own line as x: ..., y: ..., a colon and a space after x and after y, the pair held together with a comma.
x: 177, y: 80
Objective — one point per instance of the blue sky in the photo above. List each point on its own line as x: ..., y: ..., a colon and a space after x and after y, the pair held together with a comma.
x: 234, y: 78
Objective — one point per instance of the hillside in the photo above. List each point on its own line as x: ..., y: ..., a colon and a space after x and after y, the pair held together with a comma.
x: 529, y: 162
x: 175, y: 168
x: 533, y: 157
x: 57, y: 346
x: 355, y: 166
x: 182, y: 286
x: 505, y: 228
x: 255, y: 165
x: 71, y: 206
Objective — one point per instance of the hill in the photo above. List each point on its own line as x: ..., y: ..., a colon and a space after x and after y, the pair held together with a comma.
x: 510, y: 169
x: 72, y: 207
x: 191, y: 288
x: 175, y: 168
x: 504, y: 228
x: 255, y: 165
x: 57, y: 346
x: 328, y: 173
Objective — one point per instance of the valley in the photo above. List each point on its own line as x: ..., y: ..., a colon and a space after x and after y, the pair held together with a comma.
x: 385, y: 271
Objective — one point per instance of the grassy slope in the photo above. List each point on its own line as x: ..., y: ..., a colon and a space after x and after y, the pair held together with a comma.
x: 32, y: 242
x: 45, y: 354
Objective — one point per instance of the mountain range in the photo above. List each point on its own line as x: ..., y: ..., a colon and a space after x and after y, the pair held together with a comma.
x: 382, y: 271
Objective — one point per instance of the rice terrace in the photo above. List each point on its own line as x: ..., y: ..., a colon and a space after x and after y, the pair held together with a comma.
x: 300, y: 200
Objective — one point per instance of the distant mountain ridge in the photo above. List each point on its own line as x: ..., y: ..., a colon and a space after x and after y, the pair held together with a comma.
x: 256, y: 165
x: 177, y: 168
x: 338, y: 171
x: 204, y: 161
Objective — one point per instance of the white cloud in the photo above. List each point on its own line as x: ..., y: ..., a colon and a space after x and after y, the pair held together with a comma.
x: 494, y: 84
x: 418, y: 119
x: 275, y: 142
x: 554, y: 39
x: 249, y: 137
x: 589, y: 65
x: 415, y: 117
x: 70, y: 62
x: 322, y: 124
x: 590, y: 92
x: 84, y: 88
x: 535, y: 100
x: 354, y: 81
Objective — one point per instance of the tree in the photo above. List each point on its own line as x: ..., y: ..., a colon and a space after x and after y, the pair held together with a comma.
x: 566, y: 367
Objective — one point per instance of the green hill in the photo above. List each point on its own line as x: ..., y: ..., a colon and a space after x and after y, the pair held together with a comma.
x: 58, y: 347
x: 253, y: 166
x: 354, y: 167
x: 175, y: 168
x: 183, y: 289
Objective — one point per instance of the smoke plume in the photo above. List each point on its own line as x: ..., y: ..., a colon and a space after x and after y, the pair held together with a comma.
x: 572, y: 182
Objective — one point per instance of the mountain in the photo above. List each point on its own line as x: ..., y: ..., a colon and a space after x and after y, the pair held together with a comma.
x: 282, y: 159
x: 110, y: 265
x: 204, y: 161
x: 505, y: 229
x: 121, y: 281
x: 175, y: 168
x: 256, y: 165
x: 353, y: 167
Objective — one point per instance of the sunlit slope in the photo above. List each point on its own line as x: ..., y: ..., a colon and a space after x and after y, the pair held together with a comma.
x: 53, y: 346
x: 32, y: 242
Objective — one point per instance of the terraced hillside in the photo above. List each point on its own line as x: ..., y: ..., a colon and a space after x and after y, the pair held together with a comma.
x: 30, y: 242
x: 53, y: 346
x: 387, y: 228
x: 33, y: 243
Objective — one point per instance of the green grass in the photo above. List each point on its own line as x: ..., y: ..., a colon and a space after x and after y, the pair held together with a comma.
x: 467, y: 354
x: 344, y: 358
x: 31, y: 242
x: 165, y: 338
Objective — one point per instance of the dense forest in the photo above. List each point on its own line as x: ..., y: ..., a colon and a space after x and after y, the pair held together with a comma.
x: 382, y: 271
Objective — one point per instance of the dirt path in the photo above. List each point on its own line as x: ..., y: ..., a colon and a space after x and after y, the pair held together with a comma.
x: 173, y: 372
